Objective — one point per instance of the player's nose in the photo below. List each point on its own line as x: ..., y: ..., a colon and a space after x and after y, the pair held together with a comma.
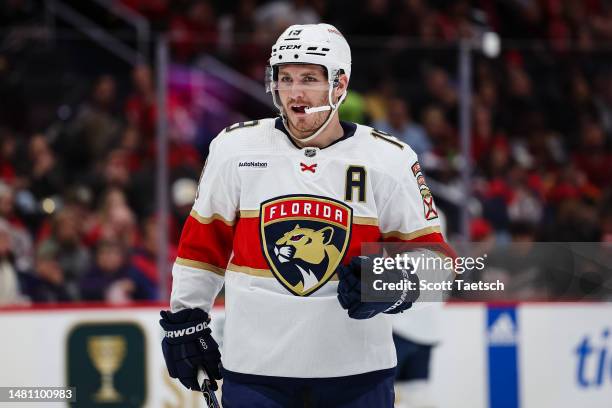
x: 296, y: 91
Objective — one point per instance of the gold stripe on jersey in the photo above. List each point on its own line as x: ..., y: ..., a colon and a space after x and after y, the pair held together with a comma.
x: 365, y: 221
x: 262, y: 273
x: 411, y: 235
x: 249, y: 213
x: 200, y: 265
x: 208, y: 220
x: 379, y: 135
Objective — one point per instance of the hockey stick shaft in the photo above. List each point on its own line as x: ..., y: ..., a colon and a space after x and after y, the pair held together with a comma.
x: 207, y: 390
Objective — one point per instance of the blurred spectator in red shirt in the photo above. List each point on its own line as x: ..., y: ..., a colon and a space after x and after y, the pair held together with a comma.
x: 480, y: 230
x: 141, y: 108
x: 484, y: 136
x: 455, y: 22
x: 156, y: 11
x: 136, y: 152
x: 8, y: 146
x: 593, y: 156
x: 195, y: 32
x: 143, y: 260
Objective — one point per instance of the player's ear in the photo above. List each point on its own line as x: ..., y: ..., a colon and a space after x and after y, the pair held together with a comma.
x: 342, y: 85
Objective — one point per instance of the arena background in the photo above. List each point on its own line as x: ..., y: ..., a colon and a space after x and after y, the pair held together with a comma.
x: 508, y: 104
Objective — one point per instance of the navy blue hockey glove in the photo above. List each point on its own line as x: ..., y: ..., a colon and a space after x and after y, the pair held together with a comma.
x: 188, y: 346
x: 349, y: 290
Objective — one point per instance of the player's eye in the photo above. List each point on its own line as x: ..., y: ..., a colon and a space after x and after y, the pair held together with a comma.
x: 297, y: 237
x: 310, y: 79
x: 285, y: 79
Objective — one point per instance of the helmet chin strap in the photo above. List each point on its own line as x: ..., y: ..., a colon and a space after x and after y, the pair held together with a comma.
x: 331, y: 106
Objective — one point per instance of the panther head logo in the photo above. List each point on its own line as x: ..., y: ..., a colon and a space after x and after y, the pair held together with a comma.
x: 304, y: 238
x: 313, y: 247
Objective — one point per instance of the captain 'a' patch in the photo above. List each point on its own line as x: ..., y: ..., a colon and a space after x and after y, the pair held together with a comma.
x: 303, y: 239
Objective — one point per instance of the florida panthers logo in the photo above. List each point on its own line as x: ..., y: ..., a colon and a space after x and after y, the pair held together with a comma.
x: 304, y: 239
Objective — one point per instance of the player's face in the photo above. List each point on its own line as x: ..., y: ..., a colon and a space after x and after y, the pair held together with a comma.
x: 300, y: 87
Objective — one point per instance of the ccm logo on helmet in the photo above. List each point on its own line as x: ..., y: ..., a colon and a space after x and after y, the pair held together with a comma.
x: 186, y: 332
x: 289, y: 47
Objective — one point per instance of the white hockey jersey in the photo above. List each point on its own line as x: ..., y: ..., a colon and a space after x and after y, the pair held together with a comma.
x: 272, y: 221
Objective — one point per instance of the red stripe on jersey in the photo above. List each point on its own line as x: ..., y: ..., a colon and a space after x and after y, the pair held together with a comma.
x: 210, y: 243
x: 247, y: 243
x: 360, y: 234
x: 434, y: 241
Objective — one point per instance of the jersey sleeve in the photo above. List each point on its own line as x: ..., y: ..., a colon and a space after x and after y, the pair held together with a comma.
x: 409, y: 214
x: 206, y: 240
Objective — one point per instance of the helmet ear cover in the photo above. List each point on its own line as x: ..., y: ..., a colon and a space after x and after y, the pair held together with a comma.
x: 336, y: 81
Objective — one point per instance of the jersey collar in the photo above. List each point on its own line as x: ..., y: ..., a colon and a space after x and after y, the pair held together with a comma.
x: 349, y: 129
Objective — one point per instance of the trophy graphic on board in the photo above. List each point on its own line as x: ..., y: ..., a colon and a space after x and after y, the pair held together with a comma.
x: 107, y: 354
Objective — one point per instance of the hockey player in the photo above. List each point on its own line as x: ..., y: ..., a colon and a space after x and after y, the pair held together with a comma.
x: 282, y: 209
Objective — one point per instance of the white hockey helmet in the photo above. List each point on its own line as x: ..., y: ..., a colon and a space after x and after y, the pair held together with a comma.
x: 320, y: 44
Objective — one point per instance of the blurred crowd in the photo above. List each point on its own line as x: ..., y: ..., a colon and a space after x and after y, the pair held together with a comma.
x: 542, y: 130
x: 78, y: 219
